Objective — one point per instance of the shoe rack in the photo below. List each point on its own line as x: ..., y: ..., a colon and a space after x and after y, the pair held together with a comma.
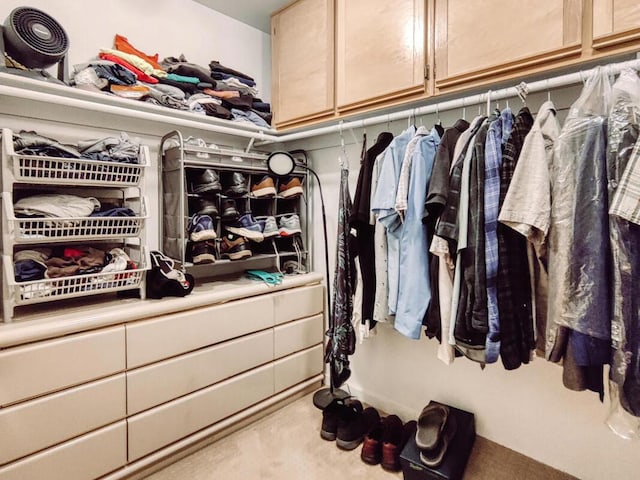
x: 183, y: 160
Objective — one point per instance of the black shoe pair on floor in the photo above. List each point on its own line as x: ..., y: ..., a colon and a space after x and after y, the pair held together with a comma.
x: 347, y: 422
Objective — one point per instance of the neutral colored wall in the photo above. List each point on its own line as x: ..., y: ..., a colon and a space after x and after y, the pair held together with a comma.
x: 527, y: 410
x: 166, y: 27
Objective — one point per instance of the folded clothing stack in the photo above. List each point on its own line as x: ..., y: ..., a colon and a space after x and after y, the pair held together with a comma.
x: 65, y: 261
x: 174, y: 82
x: 106, y: 149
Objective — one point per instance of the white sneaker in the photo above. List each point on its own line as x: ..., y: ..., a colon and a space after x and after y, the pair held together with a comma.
x: 290, y: 225
x: 270, y: 228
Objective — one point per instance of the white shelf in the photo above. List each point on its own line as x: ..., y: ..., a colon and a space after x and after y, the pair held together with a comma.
x: 71, y: 171
x: 52, y: 289
x: 52, y: 93
x: 70, y: 229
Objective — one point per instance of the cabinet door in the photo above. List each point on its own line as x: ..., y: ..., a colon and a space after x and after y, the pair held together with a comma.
x: 482, y: 40
x: 615, y: 23
x: 380, y: 50
x: 302, y: 61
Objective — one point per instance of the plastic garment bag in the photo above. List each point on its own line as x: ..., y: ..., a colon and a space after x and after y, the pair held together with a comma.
x: 579, y: 250
x: 623, y: 148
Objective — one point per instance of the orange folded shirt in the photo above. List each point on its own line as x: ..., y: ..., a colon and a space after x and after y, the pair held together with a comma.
x: 121, y: 43
x: 221, y: 93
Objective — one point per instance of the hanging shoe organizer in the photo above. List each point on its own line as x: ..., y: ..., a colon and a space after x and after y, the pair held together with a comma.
x: 186, y: 164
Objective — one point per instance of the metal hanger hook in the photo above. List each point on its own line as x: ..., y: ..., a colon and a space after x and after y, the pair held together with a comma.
x: 549, y: 89
x: 488, y: 103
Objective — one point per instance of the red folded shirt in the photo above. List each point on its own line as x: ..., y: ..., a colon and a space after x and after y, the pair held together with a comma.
x: 140, y: 75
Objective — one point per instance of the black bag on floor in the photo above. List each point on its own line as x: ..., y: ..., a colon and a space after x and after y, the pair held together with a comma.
x: 165, y: 280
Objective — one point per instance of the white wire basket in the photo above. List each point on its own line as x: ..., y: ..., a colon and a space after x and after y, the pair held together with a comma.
x: 54, y: 289
x: 72, y: 171
x: 59, y: 229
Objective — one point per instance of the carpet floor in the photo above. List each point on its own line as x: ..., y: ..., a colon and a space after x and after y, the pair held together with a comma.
x: 286, y: 445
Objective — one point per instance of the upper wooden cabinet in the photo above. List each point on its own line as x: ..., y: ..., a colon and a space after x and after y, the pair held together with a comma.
x: 380, y: 50
x: 383, y: 49
x: 481, y: 40
x: 302, y: 61
x: 615, y: 23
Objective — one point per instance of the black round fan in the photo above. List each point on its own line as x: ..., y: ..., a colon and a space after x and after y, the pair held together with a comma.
x: 34, y: 38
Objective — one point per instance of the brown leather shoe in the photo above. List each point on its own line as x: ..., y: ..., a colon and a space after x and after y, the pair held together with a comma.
x: 371, y: 452
x: 392, y: 443
x: 234, y: 247
x: 264, y: 188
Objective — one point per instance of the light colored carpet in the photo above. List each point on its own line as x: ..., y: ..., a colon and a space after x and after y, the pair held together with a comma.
x: 286, y: 445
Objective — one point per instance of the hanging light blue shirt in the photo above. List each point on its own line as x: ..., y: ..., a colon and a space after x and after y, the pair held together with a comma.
x: 414, y: 289
x: 383, y: 206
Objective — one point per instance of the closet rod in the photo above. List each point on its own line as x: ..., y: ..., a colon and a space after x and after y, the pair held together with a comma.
x: 123, y: 111
x: 509, y: 92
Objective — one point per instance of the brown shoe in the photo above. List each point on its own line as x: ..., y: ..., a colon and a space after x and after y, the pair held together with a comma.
x: 264, y: 188
x: 392, y: 443
x: 371, y: 452
x: 234, y: 247
x: 291, y: 188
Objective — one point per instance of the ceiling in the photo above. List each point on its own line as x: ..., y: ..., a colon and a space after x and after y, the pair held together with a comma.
x: 256, y: 13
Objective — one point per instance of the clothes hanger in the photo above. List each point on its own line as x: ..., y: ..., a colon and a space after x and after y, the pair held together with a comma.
x: 438, y: 125
x: 343, y: 148
x: 488, y: 103
x: 464, y: 110
x: 438, y: 120
x: 522, y: 89
x: 343, y: 158
x: 497, y: 109
x: 549, y: 89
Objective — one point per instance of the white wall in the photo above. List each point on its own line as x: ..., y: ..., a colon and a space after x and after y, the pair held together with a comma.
x: 527, y: 410
x: 166, y: 27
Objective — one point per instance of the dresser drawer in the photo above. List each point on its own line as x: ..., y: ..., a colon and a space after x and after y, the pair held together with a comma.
x: 84, y: 458
x: 297, y: 367
x: 31, y: 426
x: 160, y: 382
x: 152, y: 340
x: 155, y: 428
x: 298, y: 303
x: 297, y: 335
x: 51, y: 365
